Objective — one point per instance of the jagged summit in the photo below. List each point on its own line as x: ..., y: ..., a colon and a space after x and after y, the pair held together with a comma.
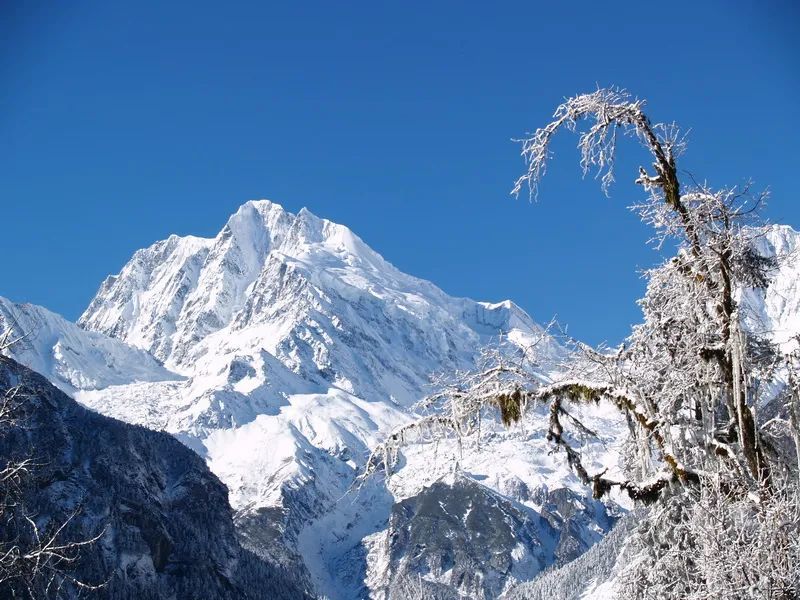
x: 296, y: 286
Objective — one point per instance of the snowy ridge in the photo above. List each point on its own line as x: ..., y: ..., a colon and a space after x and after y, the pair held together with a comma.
x: 70, y: 357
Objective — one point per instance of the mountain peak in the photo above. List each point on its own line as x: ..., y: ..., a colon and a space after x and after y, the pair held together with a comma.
x: 262, y: 206
x: 268, y: 226
x: 295, y: 286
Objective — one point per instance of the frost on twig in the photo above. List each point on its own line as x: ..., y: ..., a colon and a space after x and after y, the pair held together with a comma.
x: 608, y: 112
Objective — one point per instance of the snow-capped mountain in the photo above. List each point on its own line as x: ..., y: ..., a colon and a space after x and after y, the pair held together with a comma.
x: 283, y: 349
x: 306, y: 291
x: 301, y: 348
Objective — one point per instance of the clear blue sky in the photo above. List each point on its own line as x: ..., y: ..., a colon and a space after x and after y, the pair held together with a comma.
x: 123, y: 122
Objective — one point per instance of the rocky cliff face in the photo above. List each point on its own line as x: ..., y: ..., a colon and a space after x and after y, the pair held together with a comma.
x: 164, y: 523
x: 461, y: 536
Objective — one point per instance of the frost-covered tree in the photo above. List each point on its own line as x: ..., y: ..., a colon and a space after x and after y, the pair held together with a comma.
x: 689, y: 379
x: 689, y: 375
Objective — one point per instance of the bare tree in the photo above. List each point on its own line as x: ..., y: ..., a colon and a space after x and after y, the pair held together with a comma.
x: 34, y: 561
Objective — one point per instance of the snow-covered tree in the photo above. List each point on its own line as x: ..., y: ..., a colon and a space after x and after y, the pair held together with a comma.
x: 689, y: 379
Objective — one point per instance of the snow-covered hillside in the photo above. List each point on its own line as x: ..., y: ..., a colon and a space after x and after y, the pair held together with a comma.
x: 777, y: 312
x: 73, y: 359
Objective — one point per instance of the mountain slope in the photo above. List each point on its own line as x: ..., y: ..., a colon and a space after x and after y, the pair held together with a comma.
x: 776, y: 312
x: 71, y: 357
x: 166, y: 525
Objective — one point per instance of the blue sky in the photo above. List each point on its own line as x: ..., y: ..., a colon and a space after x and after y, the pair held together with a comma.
x: 121, y: 123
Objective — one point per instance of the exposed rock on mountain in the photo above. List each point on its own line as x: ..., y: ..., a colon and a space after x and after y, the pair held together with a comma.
x: 460, y: 535
x: 166, y: 524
